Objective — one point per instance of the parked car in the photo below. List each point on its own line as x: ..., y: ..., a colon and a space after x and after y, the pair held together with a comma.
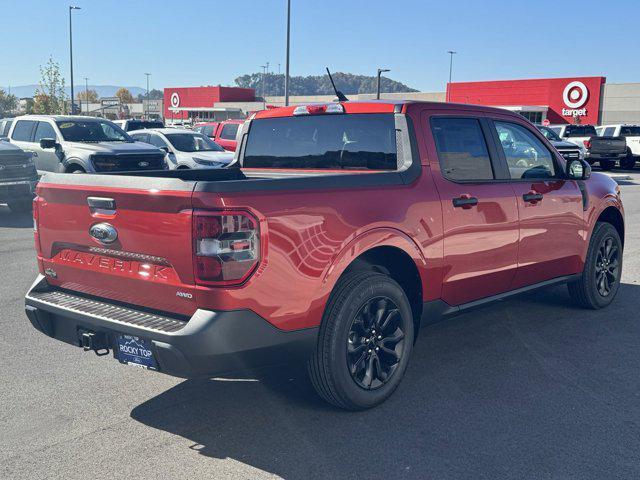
x: 5, y: 125
x: 570, y: 151
x: 631, y: 134
x: 347, y: 227
x: 131, y: 124
x: 18, y: 177
x: 76, y: 144
x: 186, y: 148
x: 223, y: 133
x: 604, y: 150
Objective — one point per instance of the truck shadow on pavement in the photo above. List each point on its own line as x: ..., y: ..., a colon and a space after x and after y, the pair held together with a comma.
x: 14, y: 220
x: 528, y: 388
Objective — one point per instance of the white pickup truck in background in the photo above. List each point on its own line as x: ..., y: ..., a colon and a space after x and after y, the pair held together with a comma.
x: 631, y: 133
x: 606, y: 151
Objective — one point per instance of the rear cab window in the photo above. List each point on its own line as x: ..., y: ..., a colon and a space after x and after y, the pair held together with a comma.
x: 580, y: 131
x: 323, y: 142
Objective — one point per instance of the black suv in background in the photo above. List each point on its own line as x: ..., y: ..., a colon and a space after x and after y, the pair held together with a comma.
x: 18, y: 177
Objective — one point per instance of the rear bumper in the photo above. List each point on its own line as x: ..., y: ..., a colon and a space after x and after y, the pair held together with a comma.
x: 605, y: 156
x: 207, y: 344
x: 17, y: 189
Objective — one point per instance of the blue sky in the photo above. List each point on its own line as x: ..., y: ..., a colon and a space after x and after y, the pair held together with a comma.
x: 187, y: 43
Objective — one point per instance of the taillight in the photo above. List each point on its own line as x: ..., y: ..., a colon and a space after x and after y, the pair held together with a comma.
x: 587, y: 143
x: 226, y: 247
x: 36, y: 219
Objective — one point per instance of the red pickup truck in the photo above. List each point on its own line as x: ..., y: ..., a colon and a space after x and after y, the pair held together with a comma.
x: 343, y: 228
x: 223, y: 133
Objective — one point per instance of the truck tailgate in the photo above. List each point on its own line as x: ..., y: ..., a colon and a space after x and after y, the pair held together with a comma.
x: 608, y: 145
x: 150, y: 261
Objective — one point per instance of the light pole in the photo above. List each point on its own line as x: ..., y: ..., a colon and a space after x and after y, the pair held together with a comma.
x: 380, y: 71
x: 264, y: 100
x: 451, y: 53
x: 71, y: 7
x: 86, y: 94
x: 286, y: 68
x: 145, y: 110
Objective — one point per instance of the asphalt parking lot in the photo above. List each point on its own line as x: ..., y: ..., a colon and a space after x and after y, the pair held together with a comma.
x: 527, y: 388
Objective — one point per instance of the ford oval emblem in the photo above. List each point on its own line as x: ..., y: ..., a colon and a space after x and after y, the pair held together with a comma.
x: 104, y: 232
x: 143, y: 164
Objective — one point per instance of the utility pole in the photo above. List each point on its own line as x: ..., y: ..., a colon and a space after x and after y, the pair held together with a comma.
x: 264, y: 100
x: 71, y: 7
x: 86, y: 94
x: 451, y: 53
x: 286, y: 68
x: 145, y: 110
x: 380, y: 71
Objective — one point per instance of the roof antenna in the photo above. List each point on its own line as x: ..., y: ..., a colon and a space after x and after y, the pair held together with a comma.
x: 339, y: 94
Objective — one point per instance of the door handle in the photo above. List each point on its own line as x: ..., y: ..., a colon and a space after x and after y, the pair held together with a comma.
x: 465, y: 201
x: 532, y: 197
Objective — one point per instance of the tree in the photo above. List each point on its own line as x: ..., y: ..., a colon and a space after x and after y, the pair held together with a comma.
x: 153, y: 95
x: 50, y: 97
x: 91, y: 95
x: 124, y: 95
x: 8, y: 103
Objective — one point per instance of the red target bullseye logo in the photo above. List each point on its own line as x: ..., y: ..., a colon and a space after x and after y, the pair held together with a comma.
x: 175, y: 100
x: 575, y: 94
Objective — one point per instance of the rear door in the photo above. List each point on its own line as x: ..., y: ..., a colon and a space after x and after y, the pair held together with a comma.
x: 480, y: 212
x: 149, y: 263
x: 550, y: 206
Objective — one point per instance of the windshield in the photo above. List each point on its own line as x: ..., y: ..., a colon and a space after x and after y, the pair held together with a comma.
x: 550, y: 134
x: 91, y: 131
x: 580, y: 131
x: 193, y: 142
x: 630, y: 131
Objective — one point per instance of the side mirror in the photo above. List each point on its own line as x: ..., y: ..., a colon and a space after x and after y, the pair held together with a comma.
x: 578, y: 170
x: 48, y: 143
x: 165, y: 149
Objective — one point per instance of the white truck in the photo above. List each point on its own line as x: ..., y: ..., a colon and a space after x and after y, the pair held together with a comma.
x: 631, y: 133
x: 606, y: 151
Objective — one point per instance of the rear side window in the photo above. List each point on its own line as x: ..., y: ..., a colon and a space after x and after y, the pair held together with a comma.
x: 5, y: 126
x: 347, y: 142
x: 23, y: 130
x: 462, y: 149
x: 229, y: 131
x: 44, y: 130
x: 630, y: 131
x: 208, y: 130
x: 580, y: 131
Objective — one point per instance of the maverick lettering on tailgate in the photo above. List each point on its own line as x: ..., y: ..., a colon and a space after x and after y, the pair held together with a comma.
x: 120, y: 266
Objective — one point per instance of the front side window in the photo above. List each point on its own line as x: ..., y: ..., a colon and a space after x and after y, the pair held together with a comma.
x: 462, y: 149
x: 23, y: 130
x: 91, y: 131
x: 193, y: 142
x: 44, y: 130
x: 157, y: 141
x: 331, y: 142
x: 526, y: 155
x: 140, y: 137
x: 208, y: 130
x: 229, y: 131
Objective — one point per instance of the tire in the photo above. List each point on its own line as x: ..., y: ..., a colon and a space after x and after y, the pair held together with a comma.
x: 21, y: 206
x: 607, y: 164
x: 368, y: 375
x: 76, y: 169
x: 628, y: 162
x: 587, y: 292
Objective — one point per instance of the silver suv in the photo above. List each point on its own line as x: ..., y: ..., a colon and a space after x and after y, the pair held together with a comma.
x: 76, y: 144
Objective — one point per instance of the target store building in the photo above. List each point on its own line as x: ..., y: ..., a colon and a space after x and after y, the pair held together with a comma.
x: 189, y: 104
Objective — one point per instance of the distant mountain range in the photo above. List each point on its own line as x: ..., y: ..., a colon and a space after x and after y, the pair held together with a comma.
x: 21, y: 91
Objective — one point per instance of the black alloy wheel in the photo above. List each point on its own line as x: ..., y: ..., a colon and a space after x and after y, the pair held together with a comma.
x: 607, y: 271
x: 375, y: 343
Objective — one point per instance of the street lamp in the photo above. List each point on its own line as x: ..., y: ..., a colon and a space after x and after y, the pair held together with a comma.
x: 145, y: 110
x: 451, y: 53
x: 71, y: 7
x: 264, y: 72
x: 380, y: 71
x: 86, y: 94
x: 286, y: 68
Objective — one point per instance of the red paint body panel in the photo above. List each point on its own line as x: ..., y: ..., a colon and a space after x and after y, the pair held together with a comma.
x: 308, y: 237
x: 537, y: 92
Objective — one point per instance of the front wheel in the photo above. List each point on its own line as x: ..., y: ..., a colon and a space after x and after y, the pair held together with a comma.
x: 607, y: 164
x: 365, y: 341
x: 598, y: 285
